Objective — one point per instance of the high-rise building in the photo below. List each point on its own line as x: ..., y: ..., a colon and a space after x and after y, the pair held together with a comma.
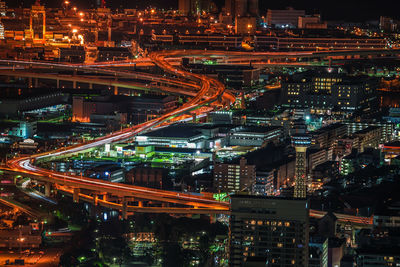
x: 184, y: 6
x: 194, y: 7
x: 322, y: 91
x: 301, y: 142
x: 3, y: 9
x: 38, y: 21
x: 241, y: 8
x: 1, y: 31
x: 268, y: 231
x: 234, y: 177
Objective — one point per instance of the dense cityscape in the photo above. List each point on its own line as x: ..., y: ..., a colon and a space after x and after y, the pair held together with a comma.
x: 198, y: 133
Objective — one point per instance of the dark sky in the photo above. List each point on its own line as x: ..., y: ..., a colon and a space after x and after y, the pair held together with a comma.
x: 350, y: 10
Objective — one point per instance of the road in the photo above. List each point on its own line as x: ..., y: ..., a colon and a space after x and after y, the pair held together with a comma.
x: 208, y: 90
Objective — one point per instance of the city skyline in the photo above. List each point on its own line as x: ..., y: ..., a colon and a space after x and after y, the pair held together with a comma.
x: 343, y: 10
x: 199, y: 136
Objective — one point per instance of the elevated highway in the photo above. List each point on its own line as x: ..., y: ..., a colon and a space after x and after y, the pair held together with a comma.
x: 208, y: 92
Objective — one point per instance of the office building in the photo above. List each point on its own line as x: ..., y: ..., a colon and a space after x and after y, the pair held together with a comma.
x: 311, y: 22
x: 268, y: 231
x: 287, y: 18
x: 318, y: 247
x: 3, y: 9
x: 301, y: 142
x: 184, y: 6
x: 388, y: 24
x: 369, y: 137
x: 370, y: 257
x: 265, y: 183
x: 234, y: 177
x: 1, y: 31
x: 323, y: 91
x: 240, y: 8
x: 194, y: 7
x: 16, y: 102
x: 12, y: 238
x: 245, y: 25
x: 386, y: 128
x: 140, y: 108
x: 24, y: 129
x: 327, y: 136
x: 144, y: 176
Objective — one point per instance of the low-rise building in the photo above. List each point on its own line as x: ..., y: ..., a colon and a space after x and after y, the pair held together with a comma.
x: 254, y: 136
x: 22, y: 237
x: 369, y: 137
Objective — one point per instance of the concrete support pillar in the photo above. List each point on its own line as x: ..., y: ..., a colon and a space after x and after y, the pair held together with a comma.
x: 140, y: 204
x: 74, y: 84
x: 47, y: 189
x: 95, y: 200
x: 58, y: 83
x: 124, y: 209
x: 94, y: 211
x: 76, y: 195
x: 36, y: 82
x: 90, y: 85
x: 30, y: 82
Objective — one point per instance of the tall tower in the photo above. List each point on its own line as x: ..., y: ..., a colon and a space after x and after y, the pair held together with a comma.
x: 242, y: 7
x: 38, y: 13
x: 252, y: 8
x: 184, y: 6
x: 301, y: 142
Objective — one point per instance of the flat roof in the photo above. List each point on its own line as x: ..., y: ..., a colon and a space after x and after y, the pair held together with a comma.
x: 175, y: 131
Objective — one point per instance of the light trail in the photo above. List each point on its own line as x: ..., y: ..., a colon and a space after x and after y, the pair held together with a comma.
x: 209, y: 91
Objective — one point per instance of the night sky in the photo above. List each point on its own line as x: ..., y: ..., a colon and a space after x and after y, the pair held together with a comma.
x: 349, y: 10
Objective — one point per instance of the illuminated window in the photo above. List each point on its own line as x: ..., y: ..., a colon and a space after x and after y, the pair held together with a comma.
x: 279, y: 245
